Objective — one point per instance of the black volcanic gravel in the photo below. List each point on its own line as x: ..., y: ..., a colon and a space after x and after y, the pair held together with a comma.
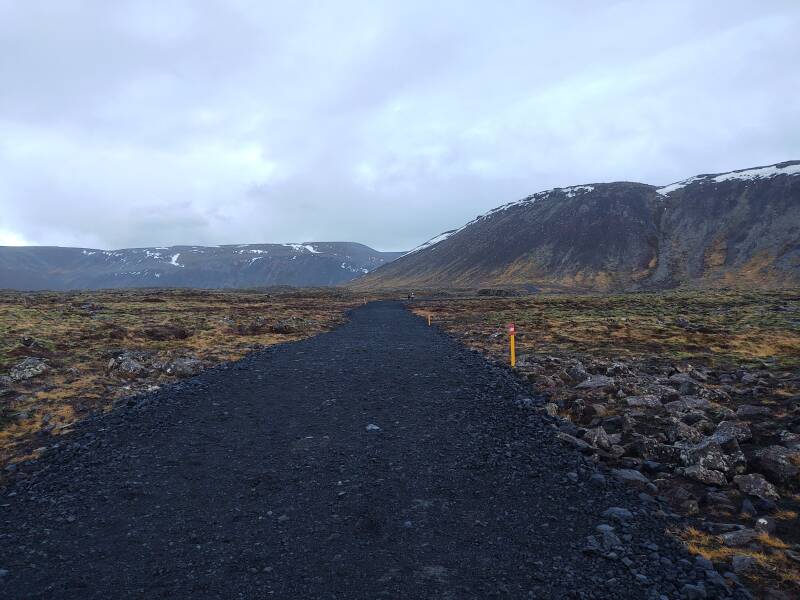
x: 381, y: 460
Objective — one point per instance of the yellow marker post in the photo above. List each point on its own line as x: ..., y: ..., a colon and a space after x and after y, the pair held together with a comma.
x: 429, y: 319
x: 512, y: 332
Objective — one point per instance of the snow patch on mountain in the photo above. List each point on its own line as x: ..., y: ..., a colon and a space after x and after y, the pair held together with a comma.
x: 174, y: 260
x: 301, y: 247
x: 744, y: 175
x: 353, y: 269
x: 432, y: 242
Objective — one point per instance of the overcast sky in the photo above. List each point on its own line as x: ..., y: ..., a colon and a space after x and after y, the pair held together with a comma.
x: 199, y: 122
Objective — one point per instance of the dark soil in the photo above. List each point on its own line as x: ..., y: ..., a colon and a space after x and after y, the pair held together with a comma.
x: 262, y: 478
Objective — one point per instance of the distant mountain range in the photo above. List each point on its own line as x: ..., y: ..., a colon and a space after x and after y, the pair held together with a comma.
x: 736, y: 229
x: 246, y: 265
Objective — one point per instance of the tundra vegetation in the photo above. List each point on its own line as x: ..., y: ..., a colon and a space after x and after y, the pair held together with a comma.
x: 66, y: 355
x: 697, y: 391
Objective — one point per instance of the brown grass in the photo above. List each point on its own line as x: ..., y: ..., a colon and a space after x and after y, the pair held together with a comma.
x: 773, y: 566
x: 723, y: 327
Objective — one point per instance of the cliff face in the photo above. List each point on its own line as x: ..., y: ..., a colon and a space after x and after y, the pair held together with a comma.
x: 733, y: 229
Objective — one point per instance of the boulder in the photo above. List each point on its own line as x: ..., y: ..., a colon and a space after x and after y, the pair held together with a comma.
x: 28, y: 369
x: 685, y: 384
x: 678, y: 431
x: 755, y: 485
x: 286, y: 327
x: 650, y: 448
x: 727, y: 457
x: 643, y: 401
x: 574, y: 442
x: 732, y: 430
x: 687, y: 403
x: 595, y: 410
x: 703, y: 475
x: 129, y: 368
x: 740, y: 537
x: 630, y: 476
x: 598, y: 438
x: 185, y: 367
x: 255, y: 326
x: 790, y: 440
x: 551, y: 409
x: 748, y: 410
x: 577, y: 372
x: 130, y: 364
x: 743, y: 564
x: 778, y: 464
x: 596, y: 382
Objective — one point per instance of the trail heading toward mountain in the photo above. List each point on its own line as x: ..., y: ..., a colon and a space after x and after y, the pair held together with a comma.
x: 381, y: 460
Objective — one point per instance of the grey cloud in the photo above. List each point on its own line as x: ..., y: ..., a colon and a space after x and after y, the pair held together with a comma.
x: 153, y: 123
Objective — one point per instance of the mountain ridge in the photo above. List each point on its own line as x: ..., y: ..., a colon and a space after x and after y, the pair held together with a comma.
x: 224, y: 266
x: 739, y: 228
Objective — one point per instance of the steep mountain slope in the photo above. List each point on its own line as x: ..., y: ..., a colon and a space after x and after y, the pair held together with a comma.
x: 738, y: 228
x: 247, y: 265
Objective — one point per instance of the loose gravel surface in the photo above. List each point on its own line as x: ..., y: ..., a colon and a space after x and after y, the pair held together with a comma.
x: 381, y: 460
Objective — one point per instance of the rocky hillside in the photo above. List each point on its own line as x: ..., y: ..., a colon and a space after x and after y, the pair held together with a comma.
x: 730, y: 229
x: 247, y: 265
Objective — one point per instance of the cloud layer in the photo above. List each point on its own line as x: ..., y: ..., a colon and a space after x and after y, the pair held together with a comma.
x: 155, y: 123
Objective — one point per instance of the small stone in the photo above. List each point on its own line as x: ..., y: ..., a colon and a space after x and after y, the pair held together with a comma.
x: 693, y: 592
x: 630, y: 475
x: 618, y: 514
x: 551, y: 409
x: 372, y: 427
x: 598, y: 479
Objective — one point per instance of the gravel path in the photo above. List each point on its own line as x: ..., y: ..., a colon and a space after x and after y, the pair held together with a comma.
x: 381, y: 460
